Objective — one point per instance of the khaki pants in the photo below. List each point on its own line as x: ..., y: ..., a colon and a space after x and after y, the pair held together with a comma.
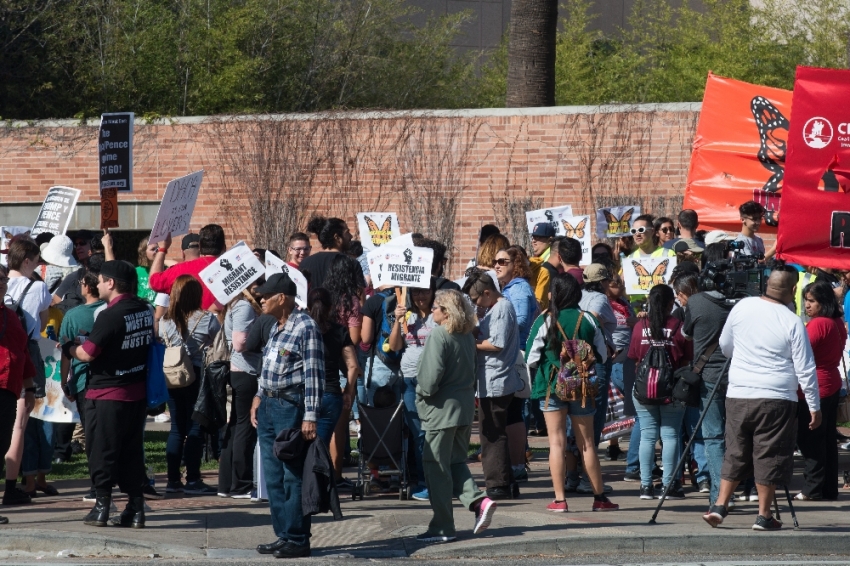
x: 448, y: 476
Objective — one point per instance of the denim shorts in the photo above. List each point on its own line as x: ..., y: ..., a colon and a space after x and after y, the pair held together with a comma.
x: 573, y: 407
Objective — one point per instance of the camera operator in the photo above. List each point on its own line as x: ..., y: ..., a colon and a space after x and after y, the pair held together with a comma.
x: 771, y: 355
x: 704, y: 319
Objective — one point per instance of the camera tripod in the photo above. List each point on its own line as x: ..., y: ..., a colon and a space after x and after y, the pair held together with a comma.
x: 687, y: 449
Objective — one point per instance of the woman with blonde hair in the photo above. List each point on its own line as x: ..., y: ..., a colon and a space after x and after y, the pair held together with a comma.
x: 187, y: 326
x: 445, y: 401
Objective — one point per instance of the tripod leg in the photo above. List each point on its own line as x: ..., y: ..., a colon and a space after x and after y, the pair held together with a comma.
x: 776, y: 508
x: 687, y: 449
x: 791, y: 507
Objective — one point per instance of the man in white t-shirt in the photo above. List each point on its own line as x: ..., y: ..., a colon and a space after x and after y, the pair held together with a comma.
x: 771, y: 355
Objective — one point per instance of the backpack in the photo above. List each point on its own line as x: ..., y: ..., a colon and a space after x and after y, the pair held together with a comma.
x: 381, y: 347
x: 654, y: 377
x: 177, y: 364
x: 18, y: 308
x: 576, y: 376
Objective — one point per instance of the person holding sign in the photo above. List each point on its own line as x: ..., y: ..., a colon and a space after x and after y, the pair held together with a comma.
x: 541, y: 245
x: 643, y: 232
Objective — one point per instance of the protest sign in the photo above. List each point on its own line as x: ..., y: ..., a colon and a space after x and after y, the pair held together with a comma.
x: 377, y: 228
x: 578, y: 227
x: 56, y: 211
x: 739, y: 152
x: 232, y: 272
x: 115, y: 151
x: 642, y: 274
x: 615, y: 221
x: 401, y: 266
x: 54, y: 407
x: 175, y: 210
x: 6, y: 235
x: 815, y: 227
x: 108, y: 208
x: 276, y: 265
x: 403, y: 241
x: 551, y: 215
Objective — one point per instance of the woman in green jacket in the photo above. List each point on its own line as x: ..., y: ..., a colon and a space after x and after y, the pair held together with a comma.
x: 543, y: 356
x: 445, y: 401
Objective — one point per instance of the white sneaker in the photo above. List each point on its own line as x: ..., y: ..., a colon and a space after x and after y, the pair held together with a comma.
x: 845, y: 446
x: 162, y: 418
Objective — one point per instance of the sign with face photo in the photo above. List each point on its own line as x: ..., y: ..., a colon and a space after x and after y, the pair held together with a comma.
x: 401, y: 266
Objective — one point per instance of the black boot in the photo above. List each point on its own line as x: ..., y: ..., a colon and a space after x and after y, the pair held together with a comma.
x: 99, y: 514
x: 134, y: 514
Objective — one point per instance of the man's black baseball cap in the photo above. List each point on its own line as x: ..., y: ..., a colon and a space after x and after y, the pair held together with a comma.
x: 190, y: 241
x: 119, y: 270
x: 278, y: 283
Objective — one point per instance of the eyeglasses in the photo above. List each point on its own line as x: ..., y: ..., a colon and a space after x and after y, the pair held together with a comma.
x: 502, y: 261
x: 301, y: 250
x: 640, y: 230
x: 666, y: 229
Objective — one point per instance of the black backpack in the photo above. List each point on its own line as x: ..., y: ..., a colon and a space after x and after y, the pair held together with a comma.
x: 18, y: 309
x: 655, y: 378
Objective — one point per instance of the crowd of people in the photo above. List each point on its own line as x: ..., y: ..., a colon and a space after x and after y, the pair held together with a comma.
x: 526, y: 342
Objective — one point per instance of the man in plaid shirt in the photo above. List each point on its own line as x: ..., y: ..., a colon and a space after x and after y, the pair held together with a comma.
x: 289, y: 396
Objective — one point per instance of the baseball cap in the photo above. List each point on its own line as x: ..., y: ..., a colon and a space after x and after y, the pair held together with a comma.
x: 543, y: 230
x: 687, y: 245
x: 118, y: 270
x: 595, y: 272
x: 278, y: 283
x: 717, y: 236
x: 190, y: 241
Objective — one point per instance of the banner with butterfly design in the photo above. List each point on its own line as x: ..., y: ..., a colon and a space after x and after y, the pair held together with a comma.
x: 642, y: 274
x: 739, y: 153
x: 377, y: 228
x: 815, y: 227
x: 578, y: 227
x: 551, y: 215
x: 615, y: 221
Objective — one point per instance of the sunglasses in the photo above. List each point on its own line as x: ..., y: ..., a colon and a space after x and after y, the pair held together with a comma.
x: 666, y: 229
x: 502, y: 261
x: 640, y: 230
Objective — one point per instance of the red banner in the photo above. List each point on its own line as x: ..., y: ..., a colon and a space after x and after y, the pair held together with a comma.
x: 739, y: 153
x: 815, y: 227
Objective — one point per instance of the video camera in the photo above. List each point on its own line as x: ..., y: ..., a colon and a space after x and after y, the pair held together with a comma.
x: 736, y: 278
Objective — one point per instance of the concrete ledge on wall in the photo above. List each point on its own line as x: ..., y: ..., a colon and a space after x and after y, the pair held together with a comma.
x: 132, y: 215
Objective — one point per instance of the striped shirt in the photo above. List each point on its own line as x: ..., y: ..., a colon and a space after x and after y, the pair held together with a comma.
x: 295, y: 354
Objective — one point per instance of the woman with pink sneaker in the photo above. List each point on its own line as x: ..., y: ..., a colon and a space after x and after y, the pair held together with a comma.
x: 565, y: 321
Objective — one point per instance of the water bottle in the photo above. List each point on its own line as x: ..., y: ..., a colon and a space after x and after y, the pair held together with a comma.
x: 151, y: 477
x: 51, y: 333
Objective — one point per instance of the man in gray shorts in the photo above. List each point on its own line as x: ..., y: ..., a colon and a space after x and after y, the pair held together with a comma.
x: 771, y: 355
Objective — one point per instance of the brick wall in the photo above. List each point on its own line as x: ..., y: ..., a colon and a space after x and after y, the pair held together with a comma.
x: 487, y: 165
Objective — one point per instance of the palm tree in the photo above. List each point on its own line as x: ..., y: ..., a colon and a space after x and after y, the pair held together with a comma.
x: 531, y: 53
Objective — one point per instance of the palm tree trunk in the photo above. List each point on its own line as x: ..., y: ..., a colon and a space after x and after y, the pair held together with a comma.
x: 531, y: 53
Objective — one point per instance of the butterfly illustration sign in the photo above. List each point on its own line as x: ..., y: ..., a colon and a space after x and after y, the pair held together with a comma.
x: 231, y: 272
x: 643, y: 274
x: 578, y: 227
x: 377, y: 228
x: 552, y: 216
x: 407, y: 266
x: 615, y: 221
x: 276, y: 265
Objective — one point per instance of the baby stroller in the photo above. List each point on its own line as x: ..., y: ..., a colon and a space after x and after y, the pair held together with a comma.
x: 382, y: 442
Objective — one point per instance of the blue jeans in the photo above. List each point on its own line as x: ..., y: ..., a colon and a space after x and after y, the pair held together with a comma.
x: 633, y: 454
x: 38, y: 447
x: 698, y: 445
x: 713, y: 427
x: 283, y: 478
x: 623, y: 378
x: 668, y: 420
x: 328, y: 416
x: 603, y: 374
x: 381, y: 375
x: 186, y: 439
x: 411, y: 415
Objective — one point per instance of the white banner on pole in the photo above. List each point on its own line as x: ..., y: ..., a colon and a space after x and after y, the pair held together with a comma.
x: 401, y: 266
x: 178, y: 204
x: 232, y: 272
x: 276, y: 265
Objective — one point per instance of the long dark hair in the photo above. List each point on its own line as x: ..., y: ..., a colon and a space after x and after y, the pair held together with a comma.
x: 566, y: 294
x: 326, y: 230
x: 186, y: 296
x: 823, y: 294
x: 320, y: 305
x: 660, y: 297
x: 344, y: 281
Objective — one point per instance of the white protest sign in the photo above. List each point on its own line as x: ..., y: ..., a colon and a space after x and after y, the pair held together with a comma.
x: 276, y: 265
x: 578, y: 228
x: 403, y: 241
x: 56, y: 211
x: 615, y: 221
x: 377, y: 228
x: 54, y: 407
x: 175, y: 210
x: 642, y: 274
x: 401, y: 266
x: 551, y: 215
x: 231, y: 272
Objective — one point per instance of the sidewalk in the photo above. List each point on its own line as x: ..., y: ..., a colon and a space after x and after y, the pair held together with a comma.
x: 382, y: 526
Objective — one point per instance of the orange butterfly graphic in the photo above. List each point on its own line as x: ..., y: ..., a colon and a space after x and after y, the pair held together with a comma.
x: 380, y: 235
x: 646, y: 280
x: 618, y: 225
x: 577, y: 232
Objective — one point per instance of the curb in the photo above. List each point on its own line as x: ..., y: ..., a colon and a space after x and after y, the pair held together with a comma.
x: 751, y: 544
x: 35, y: 541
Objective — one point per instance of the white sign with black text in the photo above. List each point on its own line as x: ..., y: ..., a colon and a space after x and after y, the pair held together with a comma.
x: 56, y: 211
x: 551, y: 216
x: 232, y: 272
x: 178, y: 204
x: 276, y: 265
x: 401, y: 266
